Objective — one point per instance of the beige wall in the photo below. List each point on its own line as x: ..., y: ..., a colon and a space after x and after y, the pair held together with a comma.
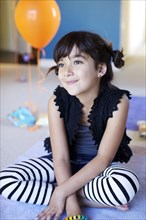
x: 6, y: 26
x: 10, y: 39
x: 133, y: 27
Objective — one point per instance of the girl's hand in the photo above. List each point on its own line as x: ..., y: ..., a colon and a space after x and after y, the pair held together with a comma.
x: 55, y: 208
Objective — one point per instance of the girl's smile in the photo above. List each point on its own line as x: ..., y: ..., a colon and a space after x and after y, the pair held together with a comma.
x: 71, y: 82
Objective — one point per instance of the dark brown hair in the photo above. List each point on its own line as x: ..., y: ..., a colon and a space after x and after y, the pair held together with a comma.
x: 92, y: 44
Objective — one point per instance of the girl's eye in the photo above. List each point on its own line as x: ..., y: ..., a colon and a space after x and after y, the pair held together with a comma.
x: 60, y: 65
x: 77, y: 62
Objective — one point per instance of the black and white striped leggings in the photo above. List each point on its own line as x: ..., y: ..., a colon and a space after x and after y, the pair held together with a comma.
x: 33, y: 181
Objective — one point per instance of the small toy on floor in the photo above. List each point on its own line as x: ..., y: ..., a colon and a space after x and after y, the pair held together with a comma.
x: 41, y: 121
x: 142, y: 128
x: 22, y: 117
x: 26, y: 116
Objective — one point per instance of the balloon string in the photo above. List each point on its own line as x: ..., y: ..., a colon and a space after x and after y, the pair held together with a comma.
x: 40, y: 80
x: 30, y: 104
x: 42, y: 77
x: 29, y: 82
x: 15, y: 37
x: 43, y: 52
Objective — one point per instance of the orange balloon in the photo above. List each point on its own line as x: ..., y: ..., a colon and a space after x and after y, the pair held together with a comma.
x: 37, y: 21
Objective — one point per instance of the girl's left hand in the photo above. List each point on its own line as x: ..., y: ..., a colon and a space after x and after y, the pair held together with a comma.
x: 55, y: 208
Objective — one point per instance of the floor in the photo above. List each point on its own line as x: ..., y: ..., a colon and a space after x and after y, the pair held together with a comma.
x: 21, y: 84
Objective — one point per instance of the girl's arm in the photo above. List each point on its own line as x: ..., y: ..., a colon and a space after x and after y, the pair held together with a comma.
x: 107, y: 150
x: 60, y: 150
x: 62, y: 167
x: 59, y: 143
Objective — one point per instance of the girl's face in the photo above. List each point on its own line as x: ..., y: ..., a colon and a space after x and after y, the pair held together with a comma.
x: 78, y: 75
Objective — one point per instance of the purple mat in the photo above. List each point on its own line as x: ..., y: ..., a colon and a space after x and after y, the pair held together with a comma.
x: 11, y: 210
x: 137, y: 112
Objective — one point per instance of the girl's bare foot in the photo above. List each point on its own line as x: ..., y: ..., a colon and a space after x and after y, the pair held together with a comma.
x: 87, y: 203
x: 123, y: 207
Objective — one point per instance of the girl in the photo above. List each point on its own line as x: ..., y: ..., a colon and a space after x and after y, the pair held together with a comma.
x: 87, y: 118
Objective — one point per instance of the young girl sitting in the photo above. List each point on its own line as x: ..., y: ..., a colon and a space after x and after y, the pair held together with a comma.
x: 88, y: 141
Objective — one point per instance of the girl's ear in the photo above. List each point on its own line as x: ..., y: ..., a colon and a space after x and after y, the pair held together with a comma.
x: 102, y: 68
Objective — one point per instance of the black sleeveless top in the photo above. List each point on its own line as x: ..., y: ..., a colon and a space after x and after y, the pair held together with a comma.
x: 105, y: 104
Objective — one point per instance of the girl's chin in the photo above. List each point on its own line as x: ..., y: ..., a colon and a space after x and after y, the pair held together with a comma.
x: 70, y: 91
x: 73, y: 91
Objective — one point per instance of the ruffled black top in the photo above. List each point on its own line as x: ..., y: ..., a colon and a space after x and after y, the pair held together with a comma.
x: 105, y: 104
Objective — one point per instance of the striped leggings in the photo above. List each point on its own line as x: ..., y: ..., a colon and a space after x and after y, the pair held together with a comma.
x: 33, y: 181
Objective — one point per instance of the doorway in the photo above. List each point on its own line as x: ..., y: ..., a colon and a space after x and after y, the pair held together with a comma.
x: 13, y: 48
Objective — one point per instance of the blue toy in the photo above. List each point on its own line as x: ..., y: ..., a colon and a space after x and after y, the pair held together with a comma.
x: 22, y: 117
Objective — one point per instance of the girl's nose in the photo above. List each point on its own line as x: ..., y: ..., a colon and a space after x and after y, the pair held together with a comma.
x: 68, y: 71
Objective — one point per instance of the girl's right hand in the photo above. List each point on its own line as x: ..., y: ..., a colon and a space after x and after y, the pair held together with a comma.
x: 55, y: 208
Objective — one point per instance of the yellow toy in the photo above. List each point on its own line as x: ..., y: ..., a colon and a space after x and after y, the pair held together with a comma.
x: 142, y: 128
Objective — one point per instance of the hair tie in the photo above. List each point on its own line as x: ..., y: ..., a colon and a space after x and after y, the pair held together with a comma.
x: 117, y: 53
x: 117, y: 58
